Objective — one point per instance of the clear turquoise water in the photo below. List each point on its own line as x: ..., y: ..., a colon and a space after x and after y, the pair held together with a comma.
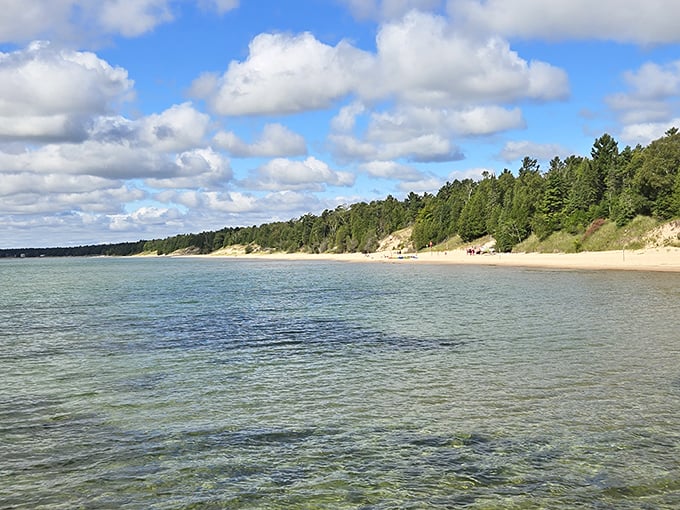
x: 193, y: 383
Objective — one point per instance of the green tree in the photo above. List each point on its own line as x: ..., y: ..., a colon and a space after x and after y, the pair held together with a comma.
x: 515, y: 222
x: 629, y: 202
x: 472, y: 223
x: 584, y: 196
x: 605, y: 153
x: 655, y: 180
x: 551, y: 209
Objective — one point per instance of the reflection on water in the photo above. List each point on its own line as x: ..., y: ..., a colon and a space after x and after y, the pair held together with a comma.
x: 174, y: 383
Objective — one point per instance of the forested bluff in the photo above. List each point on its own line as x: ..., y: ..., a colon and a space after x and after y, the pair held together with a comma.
x: 570, y: 196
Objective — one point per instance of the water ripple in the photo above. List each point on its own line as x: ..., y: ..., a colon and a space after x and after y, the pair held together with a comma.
x: 240, y: 384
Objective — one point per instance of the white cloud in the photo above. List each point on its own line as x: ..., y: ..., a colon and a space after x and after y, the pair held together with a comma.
x: 197, y: 168
x: 425, y: 148
x: 22, y: 21
x: 131, y: 18
x: 249, y: 208
x: 388, y: 9
x: 221, y: 6
x: 517, y: 150
x: 423, y: 62
x: 178, y: 128
x: 64, y: 229
x: 652, y: 98
x: 648, y: 22
x: 486, y: 120
x: 392, y: 170
x: 418, y: 133
x: 419, y: 60
x: 230, y: 202
x: 284, y: 74
x: 285, y: 174
x: 655, y: 81
x: 46, y: 93
x: 345, y: 120
x: 98, y: 201
x: 644, y: 133
x: 79, y: 20
x: 276, y: 141
x: 428, y: 184
x: 470, y: 173
x: 411, y: 122
x: 288, y: 203
x: 111, y: 161
x: 201, y: 167
x: 28, y: 182
x: 141, y: 219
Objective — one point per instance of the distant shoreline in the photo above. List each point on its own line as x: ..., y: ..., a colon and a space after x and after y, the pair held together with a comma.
x: 648, y: 259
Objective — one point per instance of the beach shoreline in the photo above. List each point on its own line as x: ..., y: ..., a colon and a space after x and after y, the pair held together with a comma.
x: 648, y: 259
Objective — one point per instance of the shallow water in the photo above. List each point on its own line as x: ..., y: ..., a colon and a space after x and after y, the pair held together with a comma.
x: 201, y: 383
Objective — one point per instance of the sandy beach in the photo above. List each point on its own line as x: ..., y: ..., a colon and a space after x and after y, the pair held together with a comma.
x: 649, y: 259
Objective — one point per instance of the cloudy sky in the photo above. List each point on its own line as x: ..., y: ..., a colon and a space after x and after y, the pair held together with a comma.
x: 136, y: 119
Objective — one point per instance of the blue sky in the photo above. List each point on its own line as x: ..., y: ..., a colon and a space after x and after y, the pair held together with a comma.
x: 136, y: 119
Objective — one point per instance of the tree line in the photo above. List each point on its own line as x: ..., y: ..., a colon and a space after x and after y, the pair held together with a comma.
x: 572, y: 193
x: 90, y: 250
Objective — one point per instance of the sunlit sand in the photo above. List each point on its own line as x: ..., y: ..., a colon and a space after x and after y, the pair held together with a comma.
x: 649, y: 259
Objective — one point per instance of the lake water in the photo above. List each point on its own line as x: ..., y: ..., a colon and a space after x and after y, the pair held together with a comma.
x: 210, y: 383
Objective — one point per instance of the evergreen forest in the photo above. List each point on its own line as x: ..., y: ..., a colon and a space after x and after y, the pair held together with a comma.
x: 571, y: 194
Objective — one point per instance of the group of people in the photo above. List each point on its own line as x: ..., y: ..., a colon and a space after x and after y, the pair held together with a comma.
x: 480, y: 250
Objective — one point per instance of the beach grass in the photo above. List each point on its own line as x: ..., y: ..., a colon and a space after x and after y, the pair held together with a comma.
x: 601, y: 235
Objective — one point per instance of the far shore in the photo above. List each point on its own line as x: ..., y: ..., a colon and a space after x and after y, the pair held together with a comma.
x: 648, y: 259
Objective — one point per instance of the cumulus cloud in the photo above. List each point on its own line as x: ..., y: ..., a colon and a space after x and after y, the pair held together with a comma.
x: 84, y: 20
x: 475, y: 174
x: 345, y: 120
x: 410, y: 122
x: 284, y: 74
x: 388, y: 9
x: 649, y: 106
x: 645, y: 132
x: 47, y: 93
x: 248, y: 208
x: 516, y: 150
x: 649, y: 22
x: 429, y: 184
x: 29, y: 182
x: 424, y: 62
x: 144, y: 217
x: 417, y: 133
x: 178, y: 128
x: 165, y: 148
x: 110, y: 161
x: 276, y: 141
x: 122, y: 161
x: 131, y: 18
x: 652, y: 94
x: 221, y: 6
x: 392, y: 170
x: 218, y: 201
x: 288, y: 203
x: 32, y: 202
x: 67, y: 228
x: 425, y: 148
x: 22, y: 21
x: 486, y: 120
x: 310, y: 174
x: 197, y: 168
x: 419, y: 61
